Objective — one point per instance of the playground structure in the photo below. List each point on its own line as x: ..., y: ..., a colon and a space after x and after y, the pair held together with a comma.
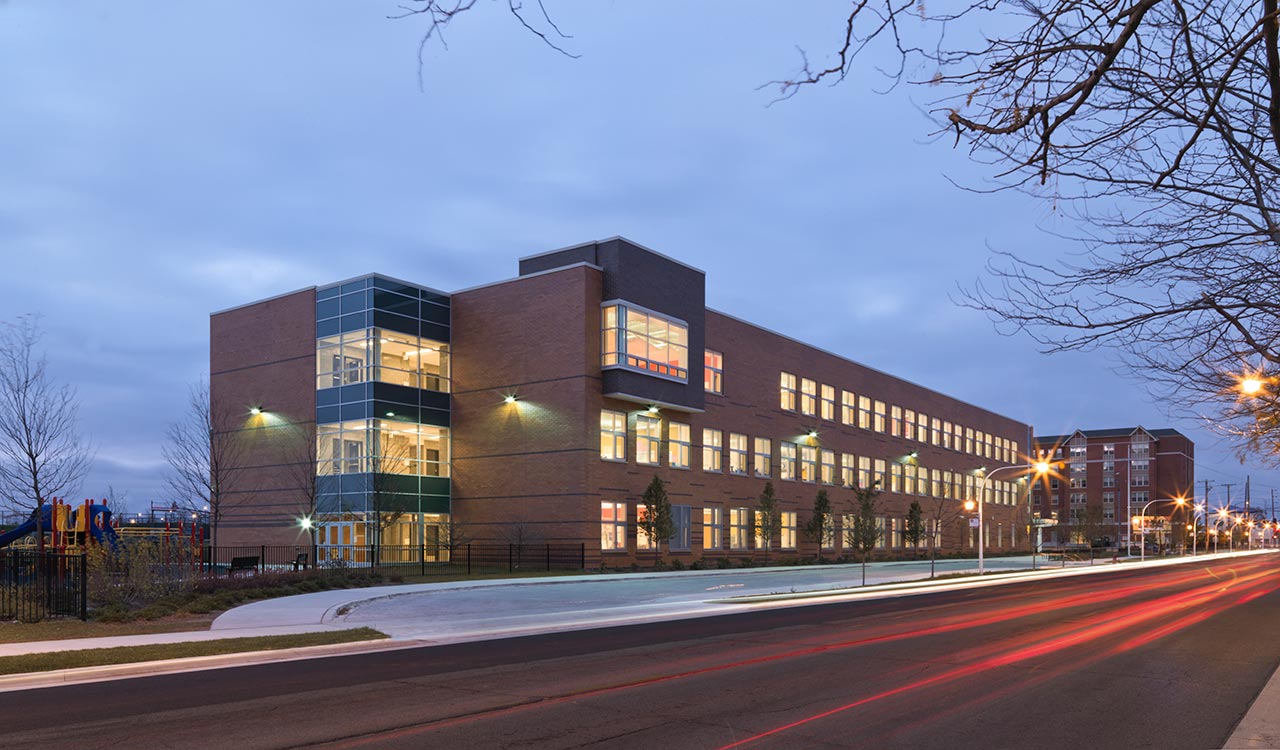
x: 66, y: 528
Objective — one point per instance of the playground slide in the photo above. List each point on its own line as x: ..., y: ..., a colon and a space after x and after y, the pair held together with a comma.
x: 9, y: 537
x: 98, y: 514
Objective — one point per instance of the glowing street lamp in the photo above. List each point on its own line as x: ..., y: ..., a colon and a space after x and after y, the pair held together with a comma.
x: 1039, y: 467
x: 1250, y: 386
x: 1141, y: 520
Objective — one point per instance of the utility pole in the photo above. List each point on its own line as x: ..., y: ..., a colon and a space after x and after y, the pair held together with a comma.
x: 1206, y: 521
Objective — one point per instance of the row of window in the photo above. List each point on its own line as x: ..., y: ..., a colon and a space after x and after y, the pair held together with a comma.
x: 1077, y: 449
x: 1080, y: 482
x: 643, y: 340
x: 1108, y: 500
x: 376, y: 354
x: 743, y: 455
x: 814, y: 400
x: 380, y: 446
x: 739, y: 529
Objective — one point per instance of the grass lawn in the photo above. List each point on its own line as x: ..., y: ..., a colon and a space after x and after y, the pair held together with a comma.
x: 96, y: 657
x: 56, y: 630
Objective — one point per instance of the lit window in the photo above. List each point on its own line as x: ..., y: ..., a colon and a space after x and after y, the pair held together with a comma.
x: 787, y: 391
x: 922, y: 428
x: 613, y: 435
x: 848, y: 408
x: 828, y: 403
x: 381, y: 446
x: 382, y: 355
x: 1109, y: 450
x: 922, y: 482
x: 678, y: 445
x: 880, y: 417
x: 808, y: 463
x: 761, y: 542
x: 739, y: 527
x: 937, y: 431
x: 828, y: 466
x: 787, y: 538
x: 643, y: 540
x: 968, y: 440
x: 946, y: 435
x: 648, y: 440
x: 644, y: 341
x: 864, y: 472
x: 895, y: 421
x: 895, y: 477
x: 713, y: 372
x: 787, y: 462
x: 848, y: 470
x: 737, y: 453
x: 909, y: 424
x: 613, y: 527
x: 939, y: 489
x: 808, y: 397
x: 881, y: 540
x: 763, y: 460
x: 909, y: 479
x: 712, y: 447
x: 712, y: 528
x: 864, y: 412
x: 881, y: 475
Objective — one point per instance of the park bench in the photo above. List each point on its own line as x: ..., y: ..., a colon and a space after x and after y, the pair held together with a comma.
x: 241, y: 564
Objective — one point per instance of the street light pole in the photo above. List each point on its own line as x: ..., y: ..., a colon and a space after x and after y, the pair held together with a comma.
x: 1040, y: 468
x: 1142, y: 520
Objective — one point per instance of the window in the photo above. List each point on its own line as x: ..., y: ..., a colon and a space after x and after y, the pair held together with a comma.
x: 848, y: 470
x: 788, y: 529
x: 808, y: 463
x: 922, y: 427
x: 828, y: 403
x: 381, y: 446
x: 1109, y: 450
x: 864, y: 472
x: 895, y: 421
x: 946, y: 435
x: 712, y: 528
x: 864, y: 412
x: 848, y: 408
x: 763, y: 457
x: 936, y: 425
x: 829, y: 531
x: 881, y: 540
x: 1139, y: 498
x: 787, y: 464
x: 895, y: 477
x: 643, y: 540
x: 787, y: 391
x: 1140, y: 480
x: 678, y: 445
x: 909, y: 424
x: 382, y: 355
x: 908, y: 479
x: 880, y: 478
x: 828, y: 474
x: 613, y: 435
x: 880, y: 416
x: 1108, y: 466
x: 644, y: 341
x: 1140, y: 465
x: 939, y: 489
x: 1109, y: 480
x: 613, y: 527
x: 737, y: 453
x: 712, y: 372
x: 1141, y: 446
x: 968, y: 440
x: 808, y: 397
x: 682, y: 524
x: 1078, y: 450
x: 739, y: 527
x: 648, y: 440
x: 922, y: 481
x: 712, y: 448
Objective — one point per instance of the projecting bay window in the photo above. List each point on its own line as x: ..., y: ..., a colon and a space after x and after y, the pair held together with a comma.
x: 384, y: 356
x: 763, y: 459
x: 648, y: 342
x: 737, y: 453
x: 613, y: 435
x: 648, y: 440
x: 379, y: 446
x: 712, y: 528
x: 613, y: 527
x: 713, y: 372
x: 678, y: 445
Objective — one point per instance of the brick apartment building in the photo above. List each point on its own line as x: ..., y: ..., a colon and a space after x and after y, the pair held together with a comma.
x: 540, y: 407
x: 1108, y: 476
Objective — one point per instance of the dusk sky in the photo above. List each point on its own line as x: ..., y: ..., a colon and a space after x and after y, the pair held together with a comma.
x: 161, y: 161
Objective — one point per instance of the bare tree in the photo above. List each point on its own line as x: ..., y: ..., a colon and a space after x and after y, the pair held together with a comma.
x: 1152, y: 125
x: 206, y: 452
x: 299, y: 453
x: 942, y: 511
x: 42, y: 453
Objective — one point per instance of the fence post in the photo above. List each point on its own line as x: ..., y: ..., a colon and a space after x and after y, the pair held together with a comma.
x: 48, y: 584
x: 422, y: 557
x: 510, y: 557
x: 548, y: 556
x: 262, y: 559
x: 468, y: 561
x: 582, y: 555
x: 84, y: 587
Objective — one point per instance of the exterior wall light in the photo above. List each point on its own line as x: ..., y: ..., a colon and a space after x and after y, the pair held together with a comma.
x: 510, y: 398
x: 653, y: 408
x: 255, y: 410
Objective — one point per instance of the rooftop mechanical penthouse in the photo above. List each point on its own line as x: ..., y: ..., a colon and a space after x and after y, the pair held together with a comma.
x: 539, y: 409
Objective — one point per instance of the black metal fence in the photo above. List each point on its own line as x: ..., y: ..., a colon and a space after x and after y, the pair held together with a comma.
x: 471, y: 558
x: 38, y: 585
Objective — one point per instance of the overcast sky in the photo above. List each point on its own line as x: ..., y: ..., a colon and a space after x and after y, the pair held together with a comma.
x: 160, y: 161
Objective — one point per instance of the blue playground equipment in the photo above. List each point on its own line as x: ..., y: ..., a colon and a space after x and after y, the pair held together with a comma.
x: 68, y: 525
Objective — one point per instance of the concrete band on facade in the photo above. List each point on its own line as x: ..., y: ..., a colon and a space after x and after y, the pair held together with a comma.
x: 509, y: 437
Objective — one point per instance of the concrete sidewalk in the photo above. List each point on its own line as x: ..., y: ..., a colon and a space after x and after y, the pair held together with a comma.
x: 476, y: 610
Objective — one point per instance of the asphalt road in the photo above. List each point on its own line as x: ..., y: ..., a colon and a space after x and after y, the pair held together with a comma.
x: 1159, y: 658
